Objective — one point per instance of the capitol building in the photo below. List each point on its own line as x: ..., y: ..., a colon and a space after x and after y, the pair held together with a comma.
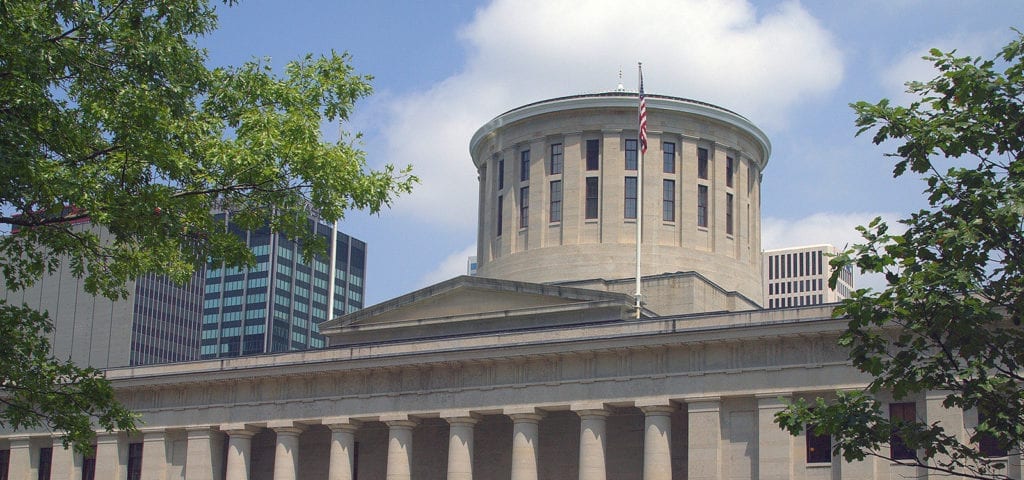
x: 541, y: 367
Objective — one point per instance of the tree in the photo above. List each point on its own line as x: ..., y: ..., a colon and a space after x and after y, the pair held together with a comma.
x: 109, y: 113
x: 949, y: 319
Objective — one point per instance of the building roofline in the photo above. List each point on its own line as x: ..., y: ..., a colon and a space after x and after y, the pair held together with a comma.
x: 623, y: 100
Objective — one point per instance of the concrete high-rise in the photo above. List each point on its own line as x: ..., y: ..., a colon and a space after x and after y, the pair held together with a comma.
x: 798, y: 276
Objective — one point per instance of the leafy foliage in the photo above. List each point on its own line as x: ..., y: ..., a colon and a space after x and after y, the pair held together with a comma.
x: 109, y: 114
x: 949, y: 320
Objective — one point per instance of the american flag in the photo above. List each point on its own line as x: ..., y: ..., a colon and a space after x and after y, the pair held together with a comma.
x: 642, y: 112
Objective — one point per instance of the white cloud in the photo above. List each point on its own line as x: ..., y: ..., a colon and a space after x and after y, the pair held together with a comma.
x: 758, y: 63
x: 452, y: 266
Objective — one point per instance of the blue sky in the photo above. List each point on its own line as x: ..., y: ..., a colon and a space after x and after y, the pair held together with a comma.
x: 442, y: 69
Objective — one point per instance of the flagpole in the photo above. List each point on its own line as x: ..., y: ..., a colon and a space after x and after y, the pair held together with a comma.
x: 642, y: 141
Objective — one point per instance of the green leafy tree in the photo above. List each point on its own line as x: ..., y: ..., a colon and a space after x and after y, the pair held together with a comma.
x: 949, y: 319
x: 109, y: 113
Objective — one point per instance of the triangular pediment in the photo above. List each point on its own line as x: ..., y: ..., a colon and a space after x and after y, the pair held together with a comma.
x: 473, y: 304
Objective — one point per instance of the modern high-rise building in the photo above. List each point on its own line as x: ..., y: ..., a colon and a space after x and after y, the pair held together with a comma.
x: 278, y: 304
x: 798, y: 276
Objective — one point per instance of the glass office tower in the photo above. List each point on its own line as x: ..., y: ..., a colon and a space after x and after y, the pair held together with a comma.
x: 278, y: 304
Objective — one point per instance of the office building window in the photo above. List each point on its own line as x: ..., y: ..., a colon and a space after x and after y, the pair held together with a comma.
x: 630, y: 154
x: 555, y: 214
x: 901, y: 413
x: 524, y: 165
x: 134, y: 461
x: 728, y: 214
x: 668, y: 156
x: 702, y: 205
x: 728, y: 171
x: 988, y: 445
x: 819, y: 446
x: 556, y: 159
x: 668, y: 202
x: 501, y: 174
x: 500, y: 217
x: 524, y: 207
x: 630, y: 205
x: 591, y: 197
x: 45, y: 462
x: 593, y: 163
x: 702, y: 163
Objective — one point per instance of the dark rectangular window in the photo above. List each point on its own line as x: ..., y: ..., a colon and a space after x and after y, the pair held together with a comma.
x: 45, y: 462
x: 556, y: 159
x: 728, y: 214
x: 524, y: 207
x: 668, y: 155
x: 702, y: 163
x: 819, y: 447
x: 988, y: 444
x: 630, y: 154
x: 501, y: 174
x: 593, y: 163
x: 592, y: 198
x: 728, y: 171
x: 668, y: 200
x: 5, y: 460
x: 630, y: 204
x: 524, y: 165
x: 501, y: 204
x: 134, y: 461
x: 901, y: 413
x: 555, y: 214
x: 702, y: 205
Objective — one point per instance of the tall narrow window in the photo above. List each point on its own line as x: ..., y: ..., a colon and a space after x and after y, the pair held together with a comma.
x: 702, y: 163
x: 134, y: 461
x: 728, y: 171
x: 630, y: 154
x: 668, y: 200
x: 630, y: 204
x: 901, y: 413
x: 524, y: 207
x: 501, y: 174
x: 988, y: 445
x: 501, y: 204
x: 728, y: 214
x: 702, y: 205
x: 592, y: 197
x: 555, y: 164
x: 593, y: 163
x: 524, y: 165
x: 5, y: 460
x: 819, y: 446
x: 668, y: 157
x: 556, y: 201
x: 45, y: 462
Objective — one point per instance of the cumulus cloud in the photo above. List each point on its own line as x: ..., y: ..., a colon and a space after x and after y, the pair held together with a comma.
x: 758, y: 63
x: 452, y: 266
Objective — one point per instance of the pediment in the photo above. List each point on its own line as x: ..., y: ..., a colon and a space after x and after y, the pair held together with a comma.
x: 473, y: 304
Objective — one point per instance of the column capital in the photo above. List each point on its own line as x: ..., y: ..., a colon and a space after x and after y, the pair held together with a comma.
x: 772, y: 400
x: 592, y: 413
x: 349, y: 426
x: 701, y: 404
x: 525, y: 417
x: 401, y: 423
x: 658, y: 409
x: 466, y: 420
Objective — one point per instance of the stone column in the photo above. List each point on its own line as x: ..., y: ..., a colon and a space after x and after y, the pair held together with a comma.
x: 286, y: 454
x: 774, y: 445
x: 460, y: 448
x: 154, y: 454
x: 64, y: 464
x: 704, y: 436
x: 400, y: 449
x: 525, y: 439
x: 110, y: 453
x: 592, y: 443
x: 658, y: 442
x: 198, y: 454
x: 343, y: 443
x: 239, y: 452
x: 19, y: 463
